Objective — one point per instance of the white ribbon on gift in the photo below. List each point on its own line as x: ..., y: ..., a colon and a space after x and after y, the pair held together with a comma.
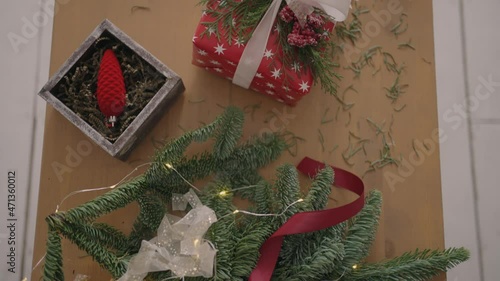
x: 179, y: 246
x: 256, y: 45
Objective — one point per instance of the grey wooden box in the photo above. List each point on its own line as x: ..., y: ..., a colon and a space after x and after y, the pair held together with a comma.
x: 144, y: 121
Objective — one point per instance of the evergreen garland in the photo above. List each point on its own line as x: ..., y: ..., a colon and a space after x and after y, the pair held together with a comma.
x: 328, y: 254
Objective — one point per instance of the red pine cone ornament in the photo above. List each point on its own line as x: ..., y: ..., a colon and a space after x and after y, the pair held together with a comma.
x: 110, y: 87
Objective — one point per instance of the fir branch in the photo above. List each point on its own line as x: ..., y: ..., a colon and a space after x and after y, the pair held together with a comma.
x: 99, y: 253
x: 222, y: 234
x: 228, y: 132
x: 173, y: 151
x: 259, y: 152
x: 297, y: 248
x: 117, y: 198
x: 413, y: 266
x: 246, y: 14
x: 149, y: 219
x: 321, y: 261
x: 53, y: 268
x: 321, y: 187
x: 246, y: 251
x: 263, y: 198
x: 318, y: 255
x: 106, y: 235
x: 361, y: 232
x: 287, y: 190
x: 351, y: 30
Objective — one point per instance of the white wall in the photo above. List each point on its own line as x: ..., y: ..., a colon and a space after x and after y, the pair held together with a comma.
x: 24, y: 57
x: 467, y: 56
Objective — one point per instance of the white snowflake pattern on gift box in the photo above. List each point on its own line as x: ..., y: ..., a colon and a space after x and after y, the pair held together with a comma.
x: 269, y: 92
x: 276, y: 73
x: 202, y: 52
x: 259, y: 75
x: 220, y: 49
x: 200, y: 61
x: 268, y: 54
x: 239, y: 42
x: 304, y: 86
x: 211, y: 31
x: 296, y: 66
x: 286, y: 88
x: 270, y: 85
x: 214, y: 62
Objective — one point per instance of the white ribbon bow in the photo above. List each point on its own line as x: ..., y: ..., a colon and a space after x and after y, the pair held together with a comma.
x: 256, y: 46
x: 179, y: 246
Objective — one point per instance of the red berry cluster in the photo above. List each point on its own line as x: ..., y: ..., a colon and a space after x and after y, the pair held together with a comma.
x: 303, y: 36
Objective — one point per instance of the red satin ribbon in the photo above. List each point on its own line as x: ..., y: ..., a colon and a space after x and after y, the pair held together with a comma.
x: 309, y: 221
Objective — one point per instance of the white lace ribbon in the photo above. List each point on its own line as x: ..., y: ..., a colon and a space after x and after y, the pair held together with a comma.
x: 180, y: 245
x: 256, y: 46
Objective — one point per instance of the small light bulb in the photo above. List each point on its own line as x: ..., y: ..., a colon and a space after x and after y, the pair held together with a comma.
x: 113, y: 186
x: 223, y: 193
x: 168, y: 165
x: 355, y: 266
x: 236, y: 211
x: 300, y: 200
x: 196, y: 241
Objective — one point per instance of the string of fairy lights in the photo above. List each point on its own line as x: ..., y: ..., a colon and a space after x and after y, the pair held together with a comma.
x: 170, y: 167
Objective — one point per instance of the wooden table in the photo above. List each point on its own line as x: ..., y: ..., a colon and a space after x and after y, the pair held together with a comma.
x: 412, y: 210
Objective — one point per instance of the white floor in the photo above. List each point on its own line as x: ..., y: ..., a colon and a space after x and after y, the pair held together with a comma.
x: 467, y: 60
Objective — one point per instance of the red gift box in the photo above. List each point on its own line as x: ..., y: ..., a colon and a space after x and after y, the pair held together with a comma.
x: 285, y: 83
